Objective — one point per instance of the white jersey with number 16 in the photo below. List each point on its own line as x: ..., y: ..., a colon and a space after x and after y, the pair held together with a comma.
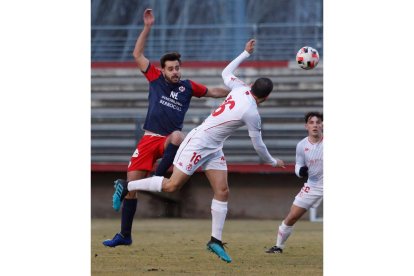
x: 238, y: 109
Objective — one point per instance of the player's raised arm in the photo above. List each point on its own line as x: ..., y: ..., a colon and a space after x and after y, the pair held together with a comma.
x: 138, y: 53
x: 228, y: 72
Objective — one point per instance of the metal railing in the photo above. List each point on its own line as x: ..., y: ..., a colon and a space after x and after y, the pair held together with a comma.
x: 275, y: 41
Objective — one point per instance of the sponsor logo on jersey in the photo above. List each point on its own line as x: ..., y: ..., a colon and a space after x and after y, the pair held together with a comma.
x: 171, y: 102
x: 306, y: 149
x: 174, y: 95
x: 181, y: 88
x: 189, y: 167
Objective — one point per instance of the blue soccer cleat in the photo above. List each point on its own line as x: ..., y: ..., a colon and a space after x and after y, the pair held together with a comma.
x: 121, y: 190
x: 217, y: 248
x: 118, y: 239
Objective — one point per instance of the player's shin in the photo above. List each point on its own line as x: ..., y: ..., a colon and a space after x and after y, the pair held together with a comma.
x: 218, y: 213
x: 167, y: 160
x: 283, y: 234
x: 151, y: 184
x: 128, y: 212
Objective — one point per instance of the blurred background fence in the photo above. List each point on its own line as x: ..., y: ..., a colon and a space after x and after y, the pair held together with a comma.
x: 275, y: 41
x: 206, y: 30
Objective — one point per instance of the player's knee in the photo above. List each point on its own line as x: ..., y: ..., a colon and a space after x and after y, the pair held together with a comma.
x: 177, y: 137
x: 170, y: 186
x: 223, y: 192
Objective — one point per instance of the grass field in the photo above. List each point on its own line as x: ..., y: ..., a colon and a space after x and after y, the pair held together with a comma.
x: 178, y: 247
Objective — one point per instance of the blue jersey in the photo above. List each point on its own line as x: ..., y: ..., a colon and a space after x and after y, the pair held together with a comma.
x: 168, y: 102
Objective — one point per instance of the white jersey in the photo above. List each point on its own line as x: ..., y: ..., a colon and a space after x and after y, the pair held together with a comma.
x: 310, y: 155
x: 239, y: 108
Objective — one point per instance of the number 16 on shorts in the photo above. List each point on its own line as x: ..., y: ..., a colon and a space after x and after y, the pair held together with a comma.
x: 194, y: 160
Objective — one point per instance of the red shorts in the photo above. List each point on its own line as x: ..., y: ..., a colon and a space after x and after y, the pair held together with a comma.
x: 149, y: 149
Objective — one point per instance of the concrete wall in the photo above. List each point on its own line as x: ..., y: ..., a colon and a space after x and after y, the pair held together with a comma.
x: 264, y: 196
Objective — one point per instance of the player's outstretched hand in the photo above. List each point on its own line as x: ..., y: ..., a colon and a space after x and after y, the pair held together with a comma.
x: 250, y: 46
x: 280, y: 163
x: 148, y: 17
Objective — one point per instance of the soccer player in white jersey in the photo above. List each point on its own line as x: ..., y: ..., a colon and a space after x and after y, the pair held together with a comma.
x: 202, y: 147
x: 309, y: 164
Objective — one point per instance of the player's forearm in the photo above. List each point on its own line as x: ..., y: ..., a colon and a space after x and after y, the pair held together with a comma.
x: 300, y: 159
x: 262, y: 151
x: 232, y: 66
x: 217, y: 92
x: 140, y: 44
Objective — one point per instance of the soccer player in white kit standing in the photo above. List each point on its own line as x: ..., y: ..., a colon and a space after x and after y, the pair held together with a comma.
x: 309, y: 163
x: 203, y: 147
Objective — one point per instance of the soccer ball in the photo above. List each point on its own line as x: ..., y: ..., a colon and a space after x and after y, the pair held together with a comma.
x: 307, y: 58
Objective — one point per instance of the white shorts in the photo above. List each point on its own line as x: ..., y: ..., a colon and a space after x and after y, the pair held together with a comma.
x: 309, y: 196
x: 194, y: 153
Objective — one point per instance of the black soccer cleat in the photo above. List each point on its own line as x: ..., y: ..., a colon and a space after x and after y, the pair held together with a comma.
x: 275, y: 250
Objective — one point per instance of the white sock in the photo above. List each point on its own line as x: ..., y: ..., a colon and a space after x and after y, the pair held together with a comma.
x: 152, y: 184
x: 283, y: 234
x: 218, y: 214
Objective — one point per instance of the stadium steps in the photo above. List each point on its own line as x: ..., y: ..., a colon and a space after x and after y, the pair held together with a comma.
x: 119, y: 106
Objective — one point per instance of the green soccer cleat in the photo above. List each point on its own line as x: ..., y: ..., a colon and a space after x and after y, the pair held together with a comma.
x: 217, y: 248
x: 121, y: 190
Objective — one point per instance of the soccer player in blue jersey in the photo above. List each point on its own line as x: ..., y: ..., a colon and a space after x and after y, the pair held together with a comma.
x: 169, y: 99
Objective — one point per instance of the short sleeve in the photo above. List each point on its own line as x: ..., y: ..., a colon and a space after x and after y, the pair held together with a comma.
x: 199, y: 90
x: 152, y: 73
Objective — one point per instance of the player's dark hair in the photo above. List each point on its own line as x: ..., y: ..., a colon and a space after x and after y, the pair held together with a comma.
x: 262, y: 87
x: 170, y: 57
x: 313, y: 114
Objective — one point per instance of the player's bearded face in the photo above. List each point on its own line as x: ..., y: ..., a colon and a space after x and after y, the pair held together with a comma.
x: 172, y: 71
